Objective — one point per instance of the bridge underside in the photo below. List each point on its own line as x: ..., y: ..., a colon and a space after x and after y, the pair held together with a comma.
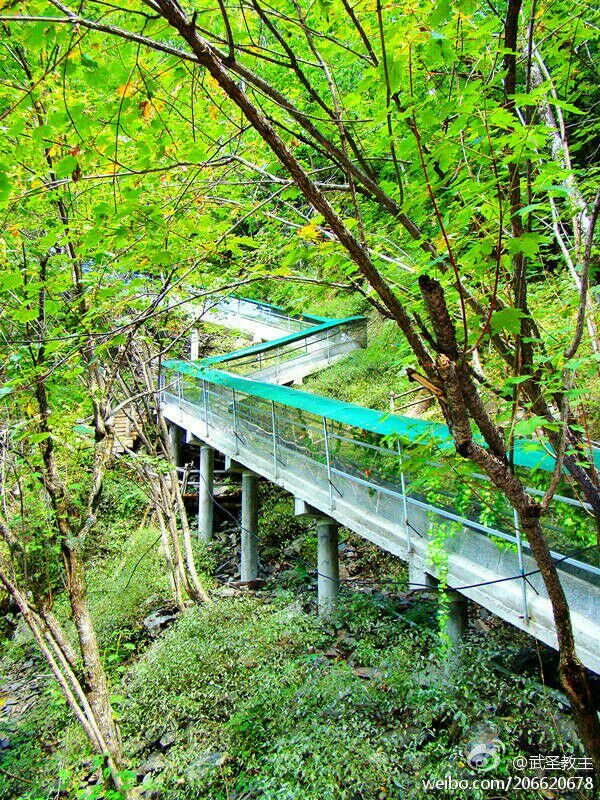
x: 341, y: 462
x: 475, y: 564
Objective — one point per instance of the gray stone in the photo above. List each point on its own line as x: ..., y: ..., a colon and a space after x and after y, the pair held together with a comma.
x: 154, y: 763
x: 167, y: 740
x: 204, y: 764
x: 227, y: 591
x: 156, y: 622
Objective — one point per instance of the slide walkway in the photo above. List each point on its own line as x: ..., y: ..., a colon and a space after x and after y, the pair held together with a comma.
x: 363, y: 469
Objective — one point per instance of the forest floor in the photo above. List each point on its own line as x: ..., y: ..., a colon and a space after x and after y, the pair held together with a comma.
x: 255, y: 697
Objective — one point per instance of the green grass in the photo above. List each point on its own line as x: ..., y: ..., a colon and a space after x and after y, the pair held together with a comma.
x: 284, y: 703
x: 367, y: 377
x: 267, y: 702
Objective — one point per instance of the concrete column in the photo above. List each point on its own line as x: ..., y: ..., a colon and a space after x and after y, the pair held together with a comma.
x: 205, y: 493
x: 249, y: 560
x: 194, y: 345
x: 458, y: 620
x: 328, y: 580
x: 176, y: 439
x: 418, y: 578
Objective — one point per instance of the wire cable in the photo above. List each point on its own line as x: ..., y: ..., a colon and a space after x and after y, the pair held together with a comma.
x: 481, y: 584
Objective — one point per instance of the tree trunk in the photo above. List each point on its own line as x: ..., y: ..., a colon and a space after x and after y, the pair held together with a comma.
x: 59, y: 636
x: 572, y: 671
x: 194, y: 586
x: 52, y: 650
x: 174, y: 573
x: 95, y: 682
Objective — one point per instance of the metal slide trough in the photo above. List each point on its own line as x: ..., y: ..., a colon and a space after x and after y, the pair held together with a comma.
x: 348, y: 462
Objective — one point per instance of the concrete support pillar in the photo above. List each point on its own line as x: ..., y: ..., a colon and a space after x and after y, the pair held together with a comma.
x: 176, y: 439
x: 205, y: 493
x: 418, y: 578
x: 328, y: 580
x: 249, y: 560
x: 458, y: 620
x: 194, y: 345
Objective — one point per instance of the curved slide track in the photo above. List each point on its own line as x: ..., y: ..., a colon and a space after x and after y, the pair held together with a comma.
x: 357, y: 467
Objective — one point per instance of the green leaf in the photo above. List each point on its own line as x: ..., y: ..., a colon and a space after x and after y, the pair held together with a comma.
x: 65, y: 166
x: 526, y: 427
x: 5, y: 183
x: 35, y: 438
x: 567, y: 106
x: 508, y: 319
x: 88, y: 61
x: 528, y: 244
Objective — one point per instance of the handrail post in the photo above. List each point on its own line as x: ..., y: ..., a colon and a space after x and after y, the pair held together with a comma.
x: 274, y: 434
x: 328, y: 462
x: 235, y: 422
x: 205, y: 405
x: 179, y: 389
x: 521, y: 564
x: 404, y: 503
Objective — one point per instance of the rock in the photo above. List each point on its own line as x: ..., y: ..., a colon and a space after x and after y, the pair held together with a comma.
x: 226, y: 591
x: 294, y: 547
x: 205, y: 763
x: 257, y: 583
x: 367, y: 672
x: 150, y: 601
x: 167, y: 740
x: 154, y: 763
x: 223, y: 490
x: 147, y: 790
x: 158, y: 621
x: 4, y: 743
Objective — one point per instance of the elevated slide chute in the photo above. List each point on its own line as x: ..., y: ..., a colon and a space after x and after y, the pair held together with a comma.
x: 360, y: 467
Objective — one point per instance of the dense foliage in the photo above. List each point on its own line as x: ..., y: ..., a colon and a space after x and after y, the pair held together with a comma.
x: 433, y: 163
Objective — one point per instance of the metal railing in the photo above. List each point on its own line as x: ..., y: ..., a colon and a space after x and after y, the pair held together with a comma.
x: 261, y: 312
x: 270, y: 362
x: 354, y: 467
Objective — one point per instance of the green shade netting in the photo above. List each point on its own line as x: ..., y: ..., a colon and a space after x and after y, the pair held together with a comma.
x: 270, y: 307
x: 283, y: 340
x: 527, y: 452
